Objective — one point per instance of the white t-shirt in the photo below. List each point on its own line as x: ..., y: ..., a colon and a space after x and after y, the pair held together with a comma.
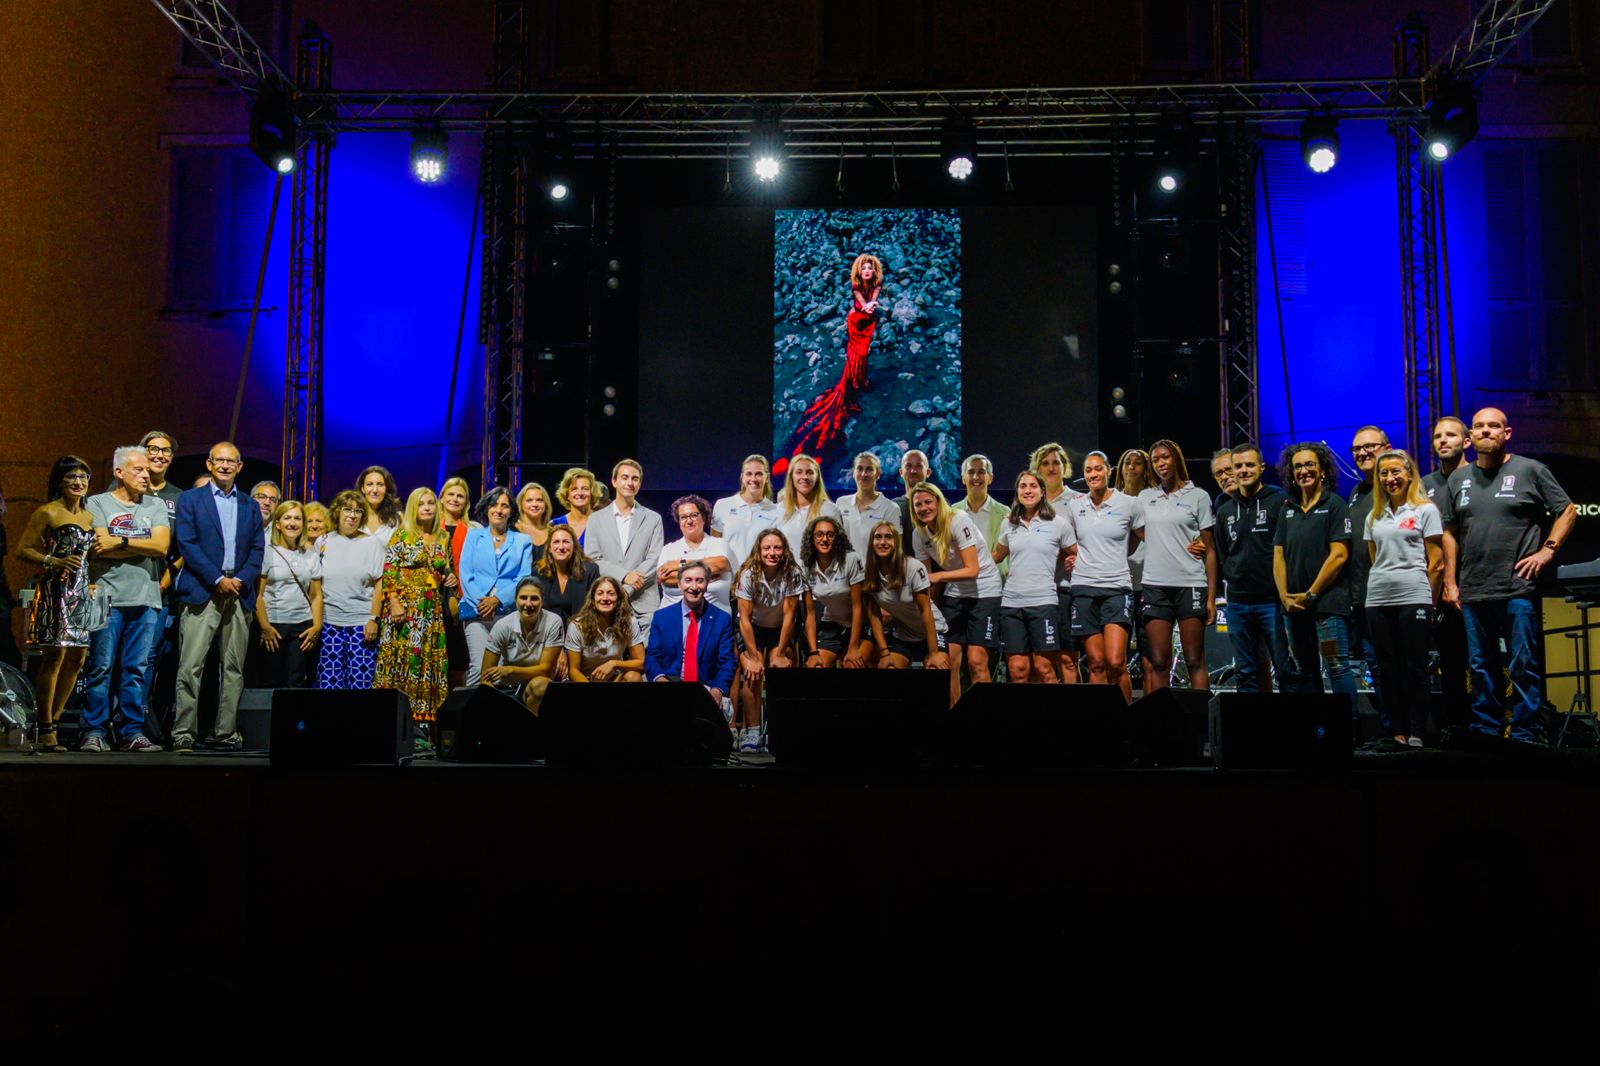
x: 289, y: 576
x: 741, y: 525
x: 605, y: 648
x: 793, y: 528
x: 830, y: 590
x: 350, y: 567
x: 858, y: 523
x: 901, y: 604
x: 709, y: 548
x: 1033, y: 548
x: 514, y: 648
x: 1171, y: 522
x: 964, y: 533
x: 767, y: 596
x: 1103, y: 541
x: 1399, y: 576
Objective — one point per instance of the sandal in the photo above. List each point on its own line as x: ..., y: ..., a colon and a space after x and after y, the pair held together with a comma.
x: 49, y: 742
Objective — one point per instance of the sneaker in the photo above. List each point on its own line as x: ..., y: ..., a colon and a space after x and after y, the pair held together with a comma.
x: 751, y: 742
x: 233, y: 743
x: 1414, y: 742
x: 94, y: 742
x: 183, y: 746
x: 139, y: 743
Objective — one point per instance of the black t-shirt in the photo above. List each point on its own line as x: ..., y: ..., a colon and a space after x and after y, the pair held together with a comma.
x: 1244, y: 536
x: 1432, y: 484
x: 1360, y: 565
x: 566, y: 603
x: 1499, y: 516
x: 1304, y: 537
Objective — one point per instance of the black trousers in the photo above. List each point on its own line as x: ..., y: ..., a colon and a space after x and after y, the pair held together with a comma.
x: 1450, y: 637
x: 1402, y: 637
x: 288, y: 667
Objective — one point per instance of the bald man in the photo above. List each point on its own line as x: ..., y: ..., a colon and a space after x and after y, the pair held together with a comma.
x: 1505, y: 517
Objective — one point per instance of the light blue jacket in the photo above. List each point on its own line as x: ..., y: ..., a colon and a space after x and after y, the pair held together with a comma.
x: 483, y: 573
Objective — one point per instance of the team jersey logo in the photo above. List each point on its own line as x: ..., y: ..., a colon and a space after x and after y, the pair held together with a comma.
x: 1347, y: 525
x: 1508, y: 486
x: 1408, y: 523
x: 128, y: 525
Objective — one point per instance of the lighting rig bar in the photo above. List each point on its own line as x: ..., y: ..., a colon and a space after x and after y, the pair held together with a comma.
x: 1016, y: 122
x: 222, y: 38
x: 1488, y: 39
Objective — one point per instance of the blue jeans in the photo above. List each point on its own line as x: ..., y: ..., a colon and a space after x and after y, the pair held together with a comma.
x: 1316, y: 641
x: 1249, y: 624
x: 123, y: 645
x: 1497, y: 708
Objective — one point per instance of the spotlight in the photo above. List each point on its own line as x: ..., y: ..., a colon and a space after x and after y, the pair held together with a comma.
x: 1168, y: 181
x: 272, y: 134
x: 1172, y: 152
x: 766, y: 148
x: 1119, y: 403
x: 1452, y: 120
x: 958, y: 147
x: 559, y: 190
x: 553, y: 163
x: 430, y: 151
x: 1319, y: 142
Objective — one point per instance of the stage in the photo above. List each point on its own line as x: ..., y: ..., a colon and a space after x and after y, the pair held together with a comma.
x: 1433, y: 879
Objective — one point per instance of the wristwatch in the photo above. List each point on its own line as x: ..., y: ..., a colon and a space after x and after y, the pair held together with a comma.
x: 1552, y: 545
x: 124, y: 541
x: 1312, y: 597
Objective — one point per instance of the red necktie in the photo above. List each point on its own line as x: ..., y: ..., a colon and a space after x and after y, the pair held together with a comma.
x: 691, y: 648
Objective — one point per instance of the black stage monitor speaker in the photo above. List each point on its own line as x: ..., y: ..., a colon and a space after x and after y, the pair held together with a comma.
x: 651, y: 724
x: 483, y: 724
x: 853, y: 717
x: 255, y: 718
x: 1169, y: 727
x: 340, y: 727
x: 1040, y: 726
x: 1281, y: 731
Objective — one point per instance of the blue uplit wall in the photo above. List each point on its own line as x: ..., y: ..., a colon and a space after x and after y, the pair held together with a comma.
x: 397, y: 254
x: 1336, y: 239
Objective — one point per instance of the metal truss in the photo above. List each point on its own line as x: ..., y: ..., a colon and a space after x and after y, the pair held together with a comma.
x: 507, y: 185
x: 1230, y: 41
x: 1491, y: 35
x: 308, y: 241
x: 219, y: 35
x: 1018, y: 122
x: 1236, y: 285
x: 1417, y: 181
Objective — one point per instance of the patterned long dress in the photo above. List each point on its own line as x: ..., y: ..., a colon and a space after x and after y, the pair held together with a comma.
x: 411, y: 650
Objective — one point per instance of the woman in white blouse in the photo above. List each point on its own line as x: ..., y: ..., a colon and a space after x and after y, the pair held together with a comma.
x: 289, y: 602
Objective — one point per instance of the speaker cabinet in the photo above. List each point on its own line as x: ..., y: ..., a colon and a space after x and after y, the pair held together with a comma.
x: 1169, y: 727
x: 659, y: 724
x: 1041, y: 726
x: 485, y: 725
x: 1281, y: 731
x: 340, y: 727
x: 854, y: 717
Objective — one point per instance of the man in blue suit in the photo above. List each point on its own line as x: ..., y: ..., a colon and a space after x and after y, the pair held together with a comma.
x: 220, y: 538
x: 693, y: 621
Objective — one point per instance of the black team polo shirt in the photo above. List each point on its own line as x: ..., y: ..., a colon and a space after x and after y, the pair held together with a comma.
x: 1304, y: 537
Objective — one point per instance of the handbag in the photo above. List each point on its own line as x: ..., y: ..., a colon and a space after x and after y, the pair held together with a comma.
x: 99, y: 612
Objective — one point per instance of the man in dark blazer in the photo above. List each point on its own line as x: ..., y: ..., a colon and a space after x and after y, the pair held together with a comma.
x: 220, y: 536
x: 664, y: 658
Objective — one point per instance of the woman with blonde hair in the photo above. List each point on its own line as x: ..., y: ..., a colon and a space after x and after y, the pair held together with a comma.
x: 963, y: 577
x: 533, y: 516
x: 318, y: 522
x: 906, y: 626
x: 416, y: 577
x: 804, y: 498
x: 604, y: 640
x: 581, y: 493
x: 288, y: 602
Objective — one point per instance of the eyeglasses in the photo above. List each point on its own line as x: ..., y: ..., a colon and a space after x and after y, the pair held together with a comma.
x: 689, y: 516
x: 824, y: 534
x: 1307, y: 466
x: 1365, y: 449
x: 214, y: 461
x: 265, y: 496
x: 78, y: 476
x: 153, y: 450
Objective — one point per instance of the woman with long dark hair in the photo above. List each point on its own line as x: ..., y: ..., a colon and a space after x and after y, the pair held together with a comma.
x: 604, y: 640
x: 833, y: 600
x: 1038, y: 542
x: 58, y: 539
x: 767, y: 591
x: 1310, y: 550
x: 565, y: 574
x: 376, y: 486
x: 494, y: 558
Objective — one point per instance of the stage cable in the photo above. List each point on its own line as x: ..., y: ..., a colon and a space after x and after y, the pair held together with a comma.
x: 255, y: 309
x: 1277, y: 294
x: 461, y: 325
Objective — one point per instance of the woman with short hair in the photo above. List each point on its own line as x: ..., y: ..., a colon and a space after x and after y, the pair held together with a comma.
x: 533, y: 516
x: 288, y: 602
x: 693, y: 515
x: 352, y: 567
x: 581, y: 493
x: 1180, y: 570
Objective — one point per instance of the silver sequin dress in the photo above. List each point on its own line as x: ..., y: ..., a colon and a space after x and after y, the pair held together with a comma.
x: 59, y: 614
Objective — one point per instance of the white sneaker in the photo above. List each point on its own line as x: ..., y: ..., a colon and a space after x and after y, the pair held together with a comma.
x: 751, y: 742
x: 1413, y: 742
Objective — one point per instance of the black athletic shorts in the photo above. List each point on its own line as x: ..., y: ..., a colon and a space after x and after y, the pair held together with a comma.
x: 914, y: 651
x: 832, y: 637
x: 766, y: 636
x: 1094, y: 609
x: 974, y: 621
x: 1169, y: 603
x: 1026, y: 629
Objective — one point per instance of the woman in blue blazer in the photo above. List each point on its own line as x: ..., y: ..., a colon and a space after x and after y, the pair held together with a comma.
x: 493, y: 559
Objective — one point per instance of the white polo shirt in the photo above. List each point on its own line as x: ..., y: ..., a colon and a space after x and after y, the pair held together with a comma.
x: 1399, y: 576
x: 1034, y: 548
x: 1103, y: 534
x: 1172, y: 520
x: 858, y: 521
x: 964, y: 534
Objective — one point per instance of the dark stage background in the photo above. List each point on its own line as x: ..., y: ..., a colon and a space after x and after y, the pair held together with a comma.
x: 1028, y: 339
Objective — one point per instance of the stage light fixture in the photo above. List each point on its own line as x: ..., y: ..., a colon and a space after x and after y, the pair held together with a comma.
x: 560, y: 190
x: 430, y: 152
x: 1168, y: 181
x: 1172, y: 149
x: 272, y: 133
x: 1452, y: 120
x: 766, y: 148
x: 1319, y: 142
x: 958, y: 147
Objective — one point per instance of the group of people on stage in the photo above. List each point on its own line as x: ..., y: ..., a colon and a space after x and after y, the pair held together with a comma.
x: 432, y: 591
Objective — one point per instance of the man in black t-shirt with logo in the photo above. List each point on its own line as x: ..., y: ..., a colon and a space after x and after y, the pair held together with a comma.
x: 1247, y: 522
x: 1505, y: 517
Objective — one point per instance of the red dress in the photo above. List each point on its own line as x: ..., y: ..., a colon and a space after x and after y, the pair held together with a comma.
x: 823, y: 423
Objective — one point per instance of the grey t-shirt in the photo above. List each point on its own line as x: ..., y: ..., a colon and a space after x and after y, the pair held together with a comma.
x: 1103, y: 534
x: 1171, y: 522
x: 515, y: 648
x: 964, y: 534
x: 1499, y: 517
x: 134, y: 581
x: 1034, y: 548
x: 901, y: 604
x: 830, y: 590
x: 1398, y: 576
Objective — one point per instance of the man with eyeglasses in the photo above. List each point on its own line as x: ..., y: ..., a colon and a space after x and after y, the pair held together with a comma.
x: 220, y: 536
x: 132, y: 535
x: 160, y: 447
x: 267, y: 496
x: 1368, y: 443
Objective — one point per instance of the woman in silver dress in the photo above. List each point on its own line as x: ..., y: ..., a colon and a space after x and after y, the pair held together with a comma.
x: 58, y: 539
